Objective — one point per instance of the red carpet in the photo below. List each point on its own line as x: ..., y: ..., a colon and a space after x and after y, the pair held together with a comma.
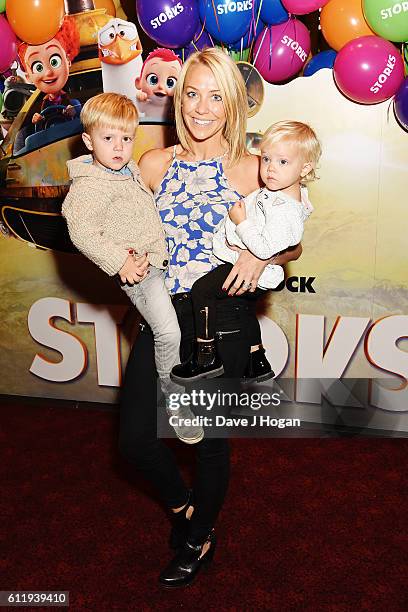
x: 308, y: 525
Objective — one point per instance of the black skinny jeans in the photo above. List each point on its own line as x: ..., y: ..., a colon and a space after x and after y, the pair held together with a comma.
x: 206, y: 292
x: 138, y: 440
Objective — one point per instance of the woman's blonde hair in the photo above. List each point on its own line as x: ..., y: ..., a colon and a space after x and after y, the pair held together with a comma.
x: 234, y: 98
x: 109, y: 110
x: 302, y: 135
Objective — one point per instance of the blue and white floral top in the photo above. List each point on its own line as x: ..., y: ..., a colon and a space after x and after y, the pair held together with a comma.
x: 192, y: 200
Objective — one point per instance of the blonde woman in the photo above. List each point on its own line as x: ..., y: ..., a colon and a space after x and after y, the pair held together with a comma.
x: 194, y: 184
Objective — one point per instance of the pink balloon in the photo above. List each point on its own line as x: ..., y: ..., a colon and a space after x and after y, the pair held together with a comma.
x: 368, y: 70
x: 8, y: 47
x: 281, y: 50
x: 303, y: 7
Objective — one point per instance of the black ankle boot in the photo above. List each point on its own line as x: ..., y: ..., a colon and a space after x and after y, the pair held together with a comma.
x: 258, y: 368
x: 180, y: 524
x: 204, y: 363
x: 187, y: 563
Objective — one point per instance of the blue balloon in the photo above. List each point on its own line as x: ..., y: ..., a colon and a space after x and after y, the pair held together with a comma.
x: 324, y: 59
x: 273, y: 12
x: 249, y: 37
x: 226, y: 20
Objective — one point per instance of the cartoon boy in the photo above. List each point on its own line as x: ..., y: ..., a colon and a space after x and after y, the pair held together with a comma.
x: 157, y: 80
x: 47, y: 67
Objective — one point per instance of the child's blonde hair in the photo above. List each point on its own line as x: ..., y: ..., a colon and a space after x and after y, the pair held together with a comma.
x: 234, y: 98
x: 302, y: 135
x: 109, y: 110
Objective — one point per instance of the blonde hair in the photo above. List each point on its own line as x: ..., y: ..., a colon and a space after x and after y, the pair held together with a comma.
x: 302, y: 135
x: 109, y: 110
x: 234, y: 98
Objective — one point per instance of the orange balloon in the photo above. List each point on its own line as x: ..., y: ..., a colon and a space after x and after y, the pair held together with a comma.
x: 35, y: 21
x: 341, y: 21
x: 109, y: 5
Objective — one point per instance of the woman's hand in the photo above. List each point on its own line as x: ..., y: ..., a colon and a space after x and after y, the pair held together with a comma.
x: 248, y: 268
x: 134, y: 270
x: 245, y: 274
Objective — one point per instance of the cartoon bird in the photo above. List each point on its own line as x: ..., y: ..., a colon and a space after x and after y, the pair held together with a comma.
x: 120, y: 54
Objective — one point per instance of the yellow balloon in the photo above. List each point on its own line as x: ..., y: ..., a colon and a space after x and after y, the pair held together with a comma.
x: 342, y: 21
x: 35, y: 21
x: 109, y: 5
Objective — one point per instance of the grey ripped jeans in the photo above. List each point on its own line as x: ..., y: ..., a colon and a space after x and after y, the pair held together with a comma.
x: 152, y: 300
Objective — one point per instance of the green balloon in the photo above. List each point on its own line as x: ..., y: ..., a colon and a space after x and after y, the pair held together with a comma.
x: 388, y: 18
x: 2, y: 6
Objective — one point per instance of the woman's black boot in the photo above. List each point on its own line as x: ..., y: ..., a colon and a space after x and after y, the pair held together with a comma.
x: 185, y: 566
x: 180, y: 524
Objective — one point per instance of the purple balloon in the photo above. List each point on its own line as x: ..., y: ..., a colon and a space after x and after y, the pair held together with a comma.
x: 401, y: 104
x: 171, y: 23
x: 202, y: 40
x: 281, y: 50
x: 8, y: 47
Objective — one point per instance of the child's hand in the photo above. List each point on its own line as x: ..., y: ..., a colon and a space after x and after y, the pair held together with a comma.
x: 237, y: 212
x: 134, y: 270
x: 37, y: 117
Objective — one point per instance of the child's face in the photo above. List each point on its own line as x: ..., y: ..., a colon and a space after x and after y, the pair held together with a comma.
x: 283, y: 166
x: 47, y: 66
x: 111, y: 148
x: 159, y: 78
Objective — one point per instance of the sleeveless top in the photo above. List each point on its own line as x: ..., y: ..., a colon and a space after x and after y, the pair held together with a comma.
x: 192, y: 200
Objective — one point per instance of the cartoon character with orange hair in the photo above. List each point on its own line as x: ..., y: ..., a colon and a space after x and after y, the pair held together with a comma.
x: 156, y: 83
x: 47, y: 67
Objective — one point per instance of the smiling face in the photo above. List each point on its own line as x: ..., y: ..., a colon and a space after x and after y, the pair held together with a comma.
x: 159, y: 77
x: 111, y: 147
x: 283, y: 166
x: 202, y: 105
x: 47, y: 66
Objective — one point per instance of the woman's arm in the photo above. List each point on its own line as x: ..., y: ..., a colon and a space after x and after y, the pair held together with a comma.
x: 153, y: 166
x: 249, y: 268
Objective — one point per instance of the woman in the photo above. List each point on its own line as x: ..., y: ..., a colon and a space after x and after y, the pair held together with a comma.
x: 194, y: 183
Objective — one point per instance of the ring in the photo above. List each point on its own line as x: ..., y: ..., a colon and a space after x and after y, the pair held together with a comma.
x: 247, y: 285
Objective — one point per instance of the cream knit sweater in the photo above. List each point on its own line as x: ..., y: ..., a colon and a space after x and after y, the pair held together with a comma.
x: 108, y: 214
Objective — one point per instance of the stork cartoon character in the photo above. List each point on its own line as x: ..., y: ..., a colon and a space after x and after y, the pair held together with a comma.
x: 120, y: 54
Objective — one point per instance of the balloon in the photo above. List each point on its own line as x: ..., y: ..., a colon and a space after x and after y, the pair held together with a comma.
x: 35, y: 21
x: 2, y: 6
x: 280, y: 51
x: 388, y: 18
x: 324, y: 59
x: 201, y: 41
x: 8, y: 47
x: 341, y: 21
x: 368, y: 69
x: 226, y: 21
x: 302, y: 7
x: 249, y: 37
x: 171, y: 23
x: 109, y: 5
x: 401, y: 104
x: 273, y: 12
